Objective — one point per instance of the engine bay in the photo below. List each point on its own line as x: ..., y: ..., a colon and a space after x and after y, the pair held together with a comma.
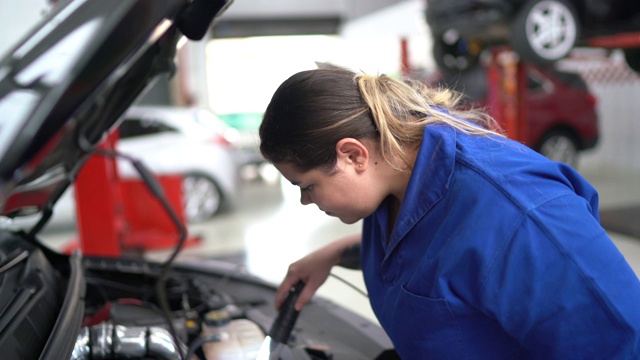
x: 123, y: 319
x: 105, y: 308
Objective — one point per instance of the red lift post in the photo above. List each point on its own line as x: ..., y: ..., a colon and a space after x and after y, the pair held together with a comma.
x: 99, y: 210
x: 118, y: 216
x: 507, y: 81
x: 405, y: 66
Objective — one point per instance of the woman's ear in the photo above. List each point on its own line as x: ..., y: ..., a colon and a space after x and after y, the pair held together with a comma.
x: 352, y: 152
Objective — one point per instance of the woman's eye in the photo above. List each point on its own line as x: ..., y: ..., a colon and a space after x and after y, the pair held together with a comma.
x: 307, y: 188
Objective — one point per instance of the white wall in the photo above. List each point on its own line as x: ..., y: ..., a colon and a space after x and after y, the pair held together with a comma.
x: 243, y: 73
x: 617, y: 89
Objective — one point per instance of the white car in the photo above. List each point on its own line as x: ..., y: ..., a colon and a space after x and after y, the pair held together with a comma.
x: 191, y: 142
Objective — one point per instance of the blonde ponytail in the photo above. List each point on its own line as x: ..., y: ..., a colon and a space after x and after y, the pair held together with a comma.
x: 401, y: 110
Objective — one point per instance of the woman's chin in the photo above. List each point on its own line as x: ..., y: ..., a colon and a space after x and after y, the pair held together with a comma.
x: 347, y: 221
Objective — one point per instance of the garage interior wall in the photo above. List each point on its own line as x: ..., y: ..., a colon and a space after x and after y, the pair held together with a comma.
x: 617, y: 89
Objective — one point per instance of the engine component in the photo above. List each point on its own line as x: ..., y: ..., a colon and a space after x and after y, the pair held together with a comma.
x: 224, y: 338
x: 108, y: 341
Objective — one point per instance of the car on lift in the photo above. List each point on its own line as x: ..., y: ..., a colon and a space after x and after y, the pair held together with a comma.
x: 63, y: 89
x: 540, y: 31
x: 561, y: 118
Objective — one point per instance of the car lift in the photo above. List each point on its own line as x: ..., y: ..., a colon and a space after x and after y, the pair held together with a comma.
x: 116, y: 216
x: 617, y: 41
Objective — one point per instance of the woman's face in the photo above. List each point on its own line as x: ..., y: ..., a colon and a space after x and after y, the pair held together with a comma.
x: 347, y: 193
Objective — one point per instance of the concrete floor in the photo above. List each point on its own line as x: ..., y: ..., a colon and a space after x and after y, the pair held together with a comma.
x: 268, y: 229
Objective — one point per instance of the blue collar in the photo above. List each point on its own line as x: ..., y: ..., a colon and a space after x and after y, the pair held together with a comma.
x: 429, y: 180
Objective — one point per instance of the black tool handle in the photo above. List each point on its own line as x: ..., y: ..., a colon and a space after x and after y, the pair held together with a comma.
x: 287, y: 316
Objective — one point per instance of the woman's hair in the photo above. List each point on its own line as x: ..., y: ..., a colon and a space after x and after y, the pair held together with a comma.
x: 313, y: 110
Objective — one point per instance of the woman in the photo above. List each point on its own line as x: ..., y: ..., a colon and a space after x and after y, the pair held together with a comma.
x: 473, y: 246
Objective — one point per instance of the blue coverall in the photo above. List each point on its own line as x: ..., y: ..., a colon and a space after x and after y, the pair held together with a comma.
x: 498, y: 253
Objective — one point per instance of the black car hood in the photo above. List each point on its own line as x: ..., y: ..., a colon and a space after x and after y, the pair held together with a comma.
x: 64, y: 88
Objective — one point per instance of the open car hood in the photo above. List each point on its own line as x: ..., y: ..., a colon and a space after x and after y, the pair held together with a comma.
x: 65, y: 86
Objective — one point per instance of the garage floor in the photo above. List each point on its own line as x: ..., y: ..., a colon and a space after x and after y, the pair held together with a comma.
x: 268, y: 229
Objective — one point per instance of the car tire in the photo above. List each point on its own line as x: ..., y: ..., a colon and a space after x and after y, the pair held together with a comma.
x: 560, y: 146
x: 545, y: 31
x: 451, y: 53
x: 202, y: 197
x: 632, y: 57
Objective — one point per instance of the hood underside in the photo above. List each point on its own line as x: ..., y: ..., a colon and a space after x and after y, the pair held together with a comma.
x: 65, y: 86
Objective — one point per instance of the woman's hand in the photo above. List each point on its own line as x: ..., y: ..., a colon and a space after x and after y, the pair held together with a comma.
x: 314, y: 270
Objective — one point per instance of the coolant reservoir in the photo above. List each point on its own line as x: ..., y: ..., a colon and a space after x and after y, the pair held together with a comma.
x: 234, y: 338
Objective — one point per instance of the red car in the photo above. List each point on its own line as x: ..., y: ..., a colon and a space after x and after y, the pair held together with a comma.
x: 561, y: 118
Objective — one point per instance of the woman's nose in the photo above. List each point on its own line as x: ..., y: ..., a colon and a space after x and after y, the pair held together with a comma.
x: 305, y: 199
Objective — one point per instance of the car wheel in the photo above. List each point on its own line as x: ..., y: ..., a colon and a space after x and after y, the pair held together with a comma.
x: 202, y: 197
x: 545, y: 31
x: 560, y: 146
x: 632, y: 57
x: 452, y: 53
